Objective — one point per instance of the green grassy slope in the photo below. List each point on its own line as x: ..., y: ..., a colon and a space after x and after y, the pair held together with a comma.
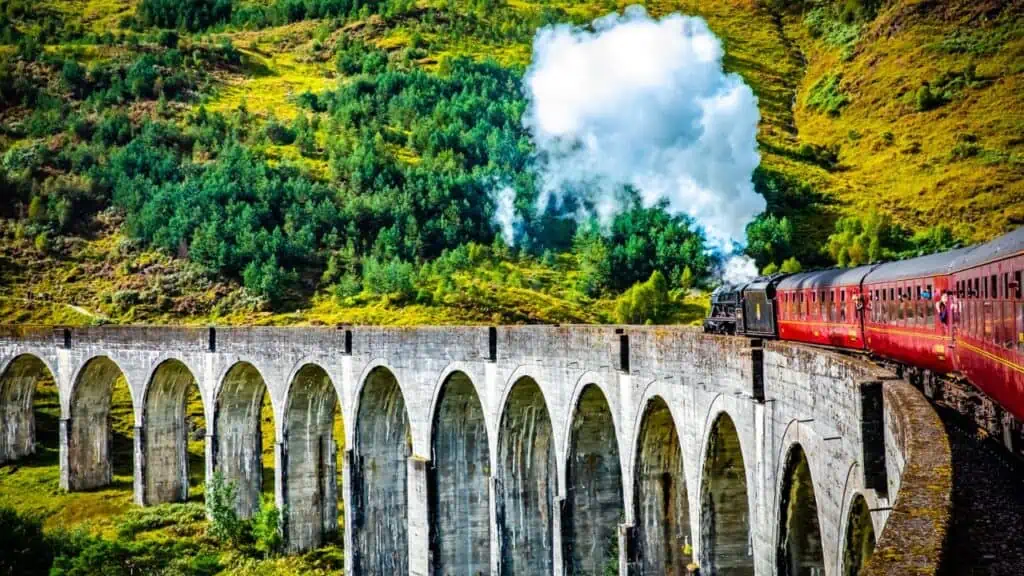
x: 822, y: 84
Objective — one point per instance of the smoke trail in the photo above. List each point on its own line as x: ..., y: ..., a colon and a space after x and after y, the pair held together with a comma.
x: 505, y: 216
x: 637, y: 102
x: 738, y: 270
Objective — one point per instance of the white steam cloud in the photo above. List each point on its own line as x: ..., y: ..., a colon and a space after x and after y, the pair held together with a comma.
x: 739, y: 270
x: 644, y: 103
x: 505, y: 215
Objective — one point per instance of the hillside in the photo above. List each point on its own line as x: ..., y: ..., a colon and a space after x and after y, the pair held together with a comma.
x: 117, y: 138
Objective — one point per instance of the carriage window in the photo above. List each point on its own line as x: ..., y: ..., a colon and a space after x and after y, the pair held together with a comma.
x: 1006, y: 285
x: 995, y: 285
x: 921, y: 305
x: 1020, y: 320
x: 1017, y: 288
x: 1009, y: 334
x: 842, y: 307
x: 977, y: 289
x: 987, y: 325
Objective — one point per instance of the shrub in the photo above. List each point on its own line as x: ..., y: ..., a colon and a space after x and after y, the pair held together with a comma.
x: 645, y: 303
x: 266, y: 529
x: 770, y: 268
x: 221, y: 499
x: 827, y: 95
x: 23, y: 548
x: 42, y: 242
x: 394, y: 277
x: 927, y: 99
x: 791, y: 266
x: 191, y: 15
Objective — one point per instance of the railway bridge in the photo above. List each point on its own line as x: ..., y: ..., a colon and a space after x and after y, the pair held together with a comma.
x: 516, y: 450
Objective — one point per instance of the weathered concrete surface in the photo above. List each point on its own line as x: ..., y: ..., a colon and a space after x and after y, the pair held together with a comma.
x: 858, y: 428
x: 460, y: 482
x: 799, y: 550
x: 662, y: 504
x: 164, y: 437
x: 310, y: 496
x: 237, y: 436
x: 381, y: 499
x: 526, y: 483
x: 593, y: 503
x: 17, y: 387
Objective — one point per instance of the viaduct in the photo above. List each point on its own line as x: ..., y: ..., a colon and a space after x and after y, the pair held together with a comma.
x: 517, y: 450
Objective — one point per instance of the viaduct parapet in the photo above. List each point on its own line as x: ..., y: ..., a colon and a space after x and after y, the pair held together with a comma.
x: 517, y: 450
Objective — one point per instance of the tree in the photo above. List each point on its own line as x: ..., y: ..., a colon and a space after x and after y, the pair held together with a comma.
x: 791, y: 266
x: 769, y: 239
x: 873, y: 239
x: 644, y: 303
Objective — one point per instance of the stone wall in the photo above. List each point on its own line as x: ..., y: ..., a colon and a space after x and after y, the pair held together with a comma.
x: 523, y: 450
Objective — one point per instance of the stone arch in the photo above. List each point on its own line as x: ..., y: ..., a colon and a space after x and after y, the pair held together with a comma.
x: 18, y: 426
x: 726, y: 545
x: 459, y: 481
x: 167, y: 426
x: 310, y: 479
x: 527, y: 477
x: 860, y: 537
x: 90, y: 431
x: 238, y: 433
x: 661, y: 502
x: 594, y: 499
x: 799, y: 550
x: 380, y: 481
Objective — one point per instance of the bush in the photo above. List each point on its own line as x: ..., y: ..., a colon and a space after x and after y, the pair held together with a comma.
x: 23, y: 548
x: 646, y: 303
x: 266, y: 529
x: 791, y: 266
x: 827, y: 95
x: 394, y: 277
x: 927, y: 99
x: 221, y: 499
x: 191, y: 15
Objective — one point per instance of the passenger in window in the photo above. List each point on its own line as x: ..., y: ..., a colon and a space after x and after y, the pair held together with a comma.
x: 943, y: 309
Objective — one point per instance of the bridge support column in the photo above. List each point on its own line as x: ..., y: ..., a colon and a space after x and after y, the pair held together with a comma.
x: 557, y: 521
x: 211, y: 455
x: 280, y: 488
x: 627, y: 550
x: 351, y: 510
x: 65, y: 462
x: 419, y: 517
x: 139, y: 470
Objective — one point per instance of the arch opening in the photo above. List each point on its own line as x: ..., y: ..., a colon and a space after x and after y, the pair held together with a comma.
x: 860, y: 538
x: 661, y: 501
x: 383, y: 445
x: 101, y: 428
x: 526, y: 482
x: 244, y: 436
x: 594, y: 501
x: 311, y: 486
x: 459, y: 482
x: 29, y: 410
x: 174, y: 427
x: 799, y: 551
x: 726, y: 547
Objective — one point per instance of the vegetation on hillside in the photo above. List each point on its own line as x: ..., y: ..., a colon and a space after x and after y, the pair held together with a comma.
x: 311, y: 160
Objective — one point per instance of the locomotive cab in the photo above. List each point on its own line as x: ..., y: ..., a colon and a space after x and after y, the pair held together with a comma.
x: 725, y: 310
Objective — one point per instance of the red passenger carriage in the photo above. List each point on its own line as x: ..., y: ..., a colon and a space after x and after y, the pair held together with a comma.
x: 822, y: 307
x: 988, y: 320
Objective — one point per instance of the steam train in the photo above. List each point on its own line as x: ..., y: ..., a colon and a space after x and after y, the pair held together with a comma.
x: 953, y: 322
